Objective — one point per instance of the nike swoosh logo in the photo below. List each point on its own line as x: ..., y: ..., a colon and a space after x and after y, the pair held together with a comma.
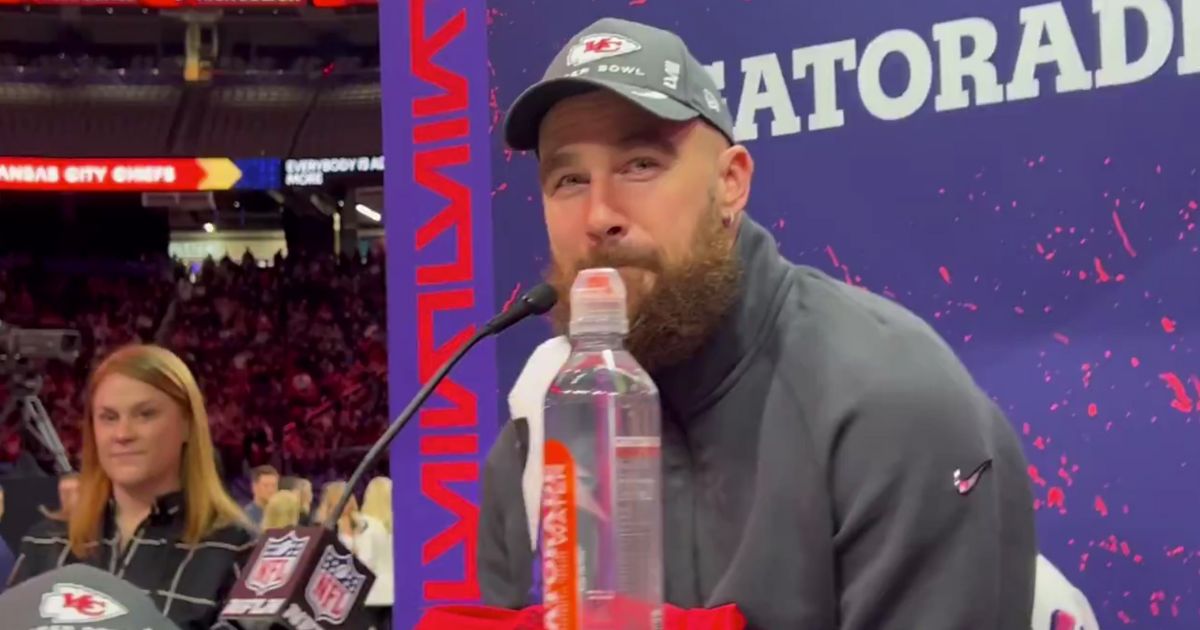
x: 964, y: 485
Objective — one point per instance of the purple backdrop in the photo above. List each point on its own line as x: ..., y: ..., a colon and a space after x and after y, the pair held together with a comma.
x: 1043, y: 221
x: 1051, y: 239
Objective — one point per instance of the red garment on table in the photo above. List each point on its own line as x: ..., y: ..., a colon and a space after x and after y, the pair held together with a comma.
x: 483, y: 618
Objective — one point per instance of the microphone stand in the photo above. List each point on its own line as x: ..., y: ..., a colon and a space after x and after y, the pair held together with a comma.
x: 537, y: 301
x: 385, y: 440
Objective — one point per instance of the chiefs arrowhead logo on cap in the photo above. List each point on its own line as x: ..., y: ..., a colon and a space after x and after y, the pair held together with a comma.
x: 599, y: 46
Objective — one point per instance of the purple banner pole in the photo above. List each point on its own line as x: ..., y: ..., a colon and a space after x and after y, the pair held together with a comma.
x: 439, y: 282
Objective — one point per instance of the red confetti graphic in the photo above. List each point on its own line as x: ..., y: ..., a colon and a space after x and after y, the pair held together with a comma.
x: 512, y: 297
x: 1100, y: 506
x: 1056, y: 498
x: 1101, y: 274
x: 494, y: 106
x: 832, y: 256
x: 850, y: 280
x: 1066, y: 476
x: 1155, y: 598
x: 1121, y: 232
x: 1182, y: 403
x: 1168, y: 324
x: 1092, y: 410
x: 1036, y: 476
x: 945, y: 273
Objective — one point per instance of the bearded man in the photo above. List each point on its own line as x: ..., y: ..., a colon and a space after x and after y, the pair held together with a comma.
x: 827, y: 460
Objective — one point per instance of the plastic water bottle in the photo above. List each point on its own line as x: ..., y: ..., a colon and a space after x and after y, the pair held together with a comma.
x: 601, y: 533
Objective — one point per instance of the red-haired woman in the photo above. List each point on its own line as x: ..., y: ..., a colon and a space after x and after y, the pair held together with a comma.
x: 151, y: 508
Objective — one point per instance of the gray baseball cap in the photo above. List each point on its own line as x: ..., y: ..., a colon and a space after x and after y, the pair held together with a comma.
x: 650, y: 67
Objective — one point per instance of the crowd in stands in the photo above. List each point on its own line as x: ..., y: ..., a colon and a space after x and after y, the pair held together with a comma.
x: 291, y: 356
x: 87, y: 64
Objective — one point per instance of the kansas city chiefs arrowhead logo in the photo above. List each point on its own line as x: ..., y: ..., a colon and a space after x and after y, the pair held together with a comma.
x: 599, y: 46
x: 71, y: 603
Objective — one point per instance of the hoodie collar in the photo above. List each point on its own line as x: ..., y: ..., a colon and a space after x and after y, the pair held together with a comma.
x: 691, y: 386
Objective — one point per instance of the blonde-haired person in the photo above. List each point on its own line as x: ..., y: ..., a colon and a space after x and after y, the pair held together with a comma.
x: 304, y: 490
x: 151, y: 507
x: 331, y: 493
x: 282, y: 510
x: 371, y: 543
x: 377, y: 501
x: 377, y: 511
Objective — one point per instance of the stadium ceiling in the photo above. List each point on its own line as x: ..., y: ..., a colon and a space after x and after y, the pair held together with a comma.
x: 126, y: 27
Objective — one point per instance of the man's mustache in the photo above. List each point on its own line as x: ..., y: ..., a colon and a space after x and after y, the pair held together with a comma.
x: 643, y: 259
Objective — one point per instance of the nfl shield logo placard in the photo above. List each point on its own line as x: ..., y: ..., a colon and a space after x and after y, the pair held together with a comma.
x: 276, y: 563
x: 334, y: 586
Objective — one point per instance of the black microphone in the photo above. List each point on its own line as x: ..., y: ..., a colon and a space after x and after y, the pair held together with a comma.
x: 537, y: 301
x: 298, y: 578
x: 82, y: 596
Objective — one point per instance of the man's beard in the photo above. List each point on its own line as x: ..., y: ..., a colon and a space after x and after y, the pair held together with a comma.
x: 671, y: 321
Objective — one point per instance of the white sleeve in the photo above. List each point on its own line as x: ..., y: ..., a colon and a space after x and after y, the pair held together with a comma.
x: 1057, y: 603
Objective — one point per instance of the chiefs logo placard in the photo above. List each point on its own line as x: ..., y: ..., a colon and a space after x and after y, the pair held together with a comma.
x: 72, y: 603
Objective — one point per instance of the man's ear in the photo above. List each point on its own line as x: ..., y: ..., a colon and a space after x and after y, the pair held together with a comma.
x: 735, y: 172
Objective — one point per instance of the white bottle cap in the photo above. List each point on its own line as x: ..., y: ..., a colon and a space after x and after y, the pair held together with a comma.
x: 598, y: 303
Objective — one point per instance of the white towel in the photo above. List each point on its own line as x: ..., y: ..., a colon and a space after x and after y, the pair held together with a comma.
x: 526, y: 400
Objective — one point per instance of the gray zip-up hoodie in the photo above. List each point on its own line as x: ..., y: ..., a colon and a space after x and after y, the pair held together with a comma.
x: 828, y: 464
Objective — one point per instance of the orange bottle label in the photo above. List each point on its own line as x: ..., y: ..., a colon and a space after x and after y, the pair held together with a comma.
x: 560, y: 540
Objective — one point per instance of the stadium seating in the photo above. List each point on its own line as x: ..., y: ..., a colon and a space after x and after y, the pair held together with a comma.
x: 345, y: 121
x: 139, y: 106
x: 310, y: 406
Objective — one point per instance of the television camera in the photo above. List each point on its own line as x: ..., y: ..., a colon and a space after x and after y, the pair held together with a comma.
x: 22, y: 353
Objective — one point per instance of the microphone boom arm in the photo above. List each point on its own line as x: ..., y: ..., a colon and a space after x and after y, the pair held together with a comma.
x: 385, y: 440
x: 537, y: 301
